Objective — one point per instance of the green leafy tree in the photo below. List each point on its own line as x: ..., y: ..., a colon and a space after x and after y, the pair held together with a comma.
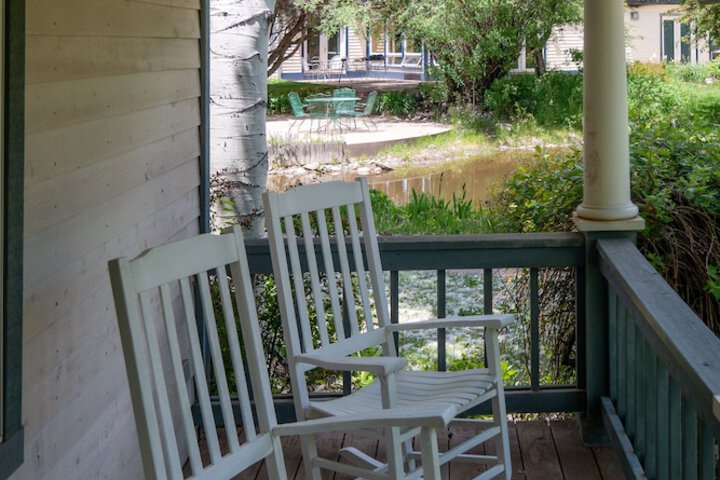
x: 705, y: 18
x: 475, y: 42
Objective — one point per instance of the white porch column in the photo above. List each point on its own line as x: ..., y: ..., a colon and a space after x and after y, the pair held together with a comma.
x: 606, y: 186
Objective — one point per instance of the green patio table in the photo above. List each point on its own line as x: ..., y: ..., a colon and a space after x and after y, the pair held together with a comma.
x: 330, y: 108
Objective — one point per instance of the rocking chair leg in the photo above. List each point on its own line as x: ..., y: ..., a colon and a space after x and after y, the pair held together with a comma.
x: 429, y: 448
x: 394, y: 453
x: 309, y: 452
x: 502, y: 441
x: 407, y: 449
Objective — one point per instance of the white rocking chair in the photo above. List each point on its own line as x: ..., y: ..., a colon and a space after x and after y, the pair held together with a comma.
x: 339, y: 309
x: 159, y: 297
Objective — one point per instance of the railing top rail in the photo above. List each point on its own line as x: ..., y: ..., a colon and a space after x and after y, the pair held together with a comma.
x: 444, y: 252
x: 674, y: 331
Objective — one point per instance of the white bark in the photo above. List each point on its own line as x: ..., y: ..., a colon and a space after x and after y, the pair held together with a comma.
x: 238, y: 91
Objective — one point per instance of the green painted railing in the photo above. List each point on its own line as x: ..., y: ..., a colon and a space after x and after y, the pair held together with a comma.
x: 489, y: 253
x: 664, y: 373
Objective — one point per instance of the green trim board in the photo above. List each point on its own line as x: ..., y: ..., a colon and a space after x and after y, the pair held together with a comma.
x: 11, y: 450
x: 205, y: 116
x: 623, y: 446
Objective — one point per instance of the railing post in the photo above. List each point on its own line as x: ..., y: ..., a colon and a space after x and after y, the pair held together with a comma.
x: 597, y: 360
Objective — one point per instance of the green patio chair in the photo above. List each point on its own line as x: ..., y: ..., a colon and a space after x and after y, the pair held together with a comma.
x: 344, y: 108
x: 298, y: 109
x: 365, y: 113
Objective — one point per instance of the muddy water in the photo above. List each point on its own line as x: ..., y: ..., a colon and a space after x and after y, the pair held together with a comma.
x: 478, y: 176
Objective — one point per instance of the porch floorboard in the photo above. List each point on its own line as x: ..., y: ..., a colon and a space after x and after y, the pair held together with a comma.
x: 541, y: 450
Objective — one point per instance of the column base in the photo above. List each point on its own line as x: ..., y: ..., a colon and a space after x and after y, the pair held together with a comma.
x: 634, y: 224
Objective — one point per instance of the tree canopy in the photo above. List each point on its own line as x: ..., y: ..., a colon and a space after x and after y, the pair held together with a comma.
x: 474, y: 42
x: 704, y: 18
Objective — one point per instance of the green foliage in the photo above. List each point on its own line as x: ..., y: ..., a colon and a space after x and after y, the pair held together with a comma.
x: 425, y: 214
x: 540, y: 196
x: 704, y: 17
x: 553, y: 99
x: 675, y: 168
x: 400, y: 103
x: 685, y: 72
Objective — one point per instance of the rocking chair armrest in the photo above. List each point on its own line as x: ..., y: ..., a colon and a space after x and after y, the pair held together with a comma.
x: 430, y: 417
x: 378, y: 365
x: 480, y: 321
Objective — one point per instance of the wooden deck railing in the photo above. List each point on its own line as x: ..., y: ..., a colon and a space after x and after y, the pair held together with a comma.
x: 441, y: 253
x: 644, y: 361
x: 664, y: 373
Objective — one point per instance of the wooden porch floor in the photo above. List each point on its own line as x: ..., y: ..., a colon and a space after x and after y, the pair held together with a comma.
x: 541, y: 450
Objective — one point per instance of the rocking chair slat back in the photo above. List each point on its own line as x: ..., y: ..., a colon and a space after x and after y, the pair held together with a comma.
x: 331, y: 295
x: 164, y: 298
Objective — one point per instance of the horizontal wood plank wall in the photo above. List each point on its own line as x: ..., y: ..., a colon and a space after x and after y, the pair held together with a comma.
x: 562, y: 41
x: 112, y: 167
x: 356, y: 49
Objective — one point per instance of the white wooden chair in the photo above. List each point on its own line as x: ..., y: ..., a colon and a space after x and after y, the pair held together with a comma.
x: 159, y: 297
x: 324, y: 216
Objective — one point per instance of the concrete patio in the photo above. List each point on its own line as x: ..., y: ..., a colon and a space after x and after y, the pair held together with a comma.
x: 362, y: 140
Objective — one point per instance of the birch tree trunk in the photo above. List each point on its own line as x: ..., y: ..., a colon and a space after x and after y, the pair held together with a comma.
x: 238, y: 91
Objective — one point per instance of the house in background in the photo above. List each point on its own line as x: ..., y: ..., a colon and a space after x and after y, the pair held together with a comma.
x: 377, y: 53
x: 654, y: 33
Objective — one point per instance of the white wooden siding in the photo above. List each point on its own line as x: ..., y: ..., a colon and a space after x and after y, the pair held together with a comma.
x: 112, y: 167
x: 356, y: 47
x: 562, y: 41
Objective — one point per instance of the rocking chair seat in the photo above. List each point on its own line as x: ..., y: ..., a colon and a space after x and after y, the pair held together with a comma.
x: 460, y: 390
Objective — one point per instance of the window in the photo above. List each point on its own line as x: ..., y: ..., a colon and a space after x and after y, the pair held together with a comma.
x: 685, y: 54
x: 12, y: 41
x: 677, y: 41
x: 668, y: 41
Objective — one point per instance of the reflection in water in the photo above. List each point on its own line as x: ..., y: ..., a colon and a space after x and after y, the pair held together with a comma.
x: 478, y: 175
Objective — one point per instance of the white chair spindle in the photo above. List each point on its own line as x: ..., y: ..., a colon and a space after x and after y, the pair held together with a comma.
x: 359, y: 267
x: 236, y: 354
x: 201, y: 386
x: 314, y: 279
x: 167, y: 430
x: 298, y: 284
x: 330, y: 273
x: 188, y: 427
x: 217, y: 362
x: 348, y: 295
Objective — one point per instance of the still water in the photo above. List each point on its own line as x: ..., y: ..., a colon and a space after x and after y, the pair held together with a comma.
x: 479, y: 176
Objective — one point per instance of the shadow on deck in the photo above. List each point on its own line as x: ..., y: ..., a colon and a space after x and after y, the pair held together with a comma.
x: 541, y: 450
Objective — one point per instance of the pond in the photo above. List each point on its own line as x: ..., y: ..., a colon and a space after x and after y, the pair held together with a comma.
x: 477, y: 175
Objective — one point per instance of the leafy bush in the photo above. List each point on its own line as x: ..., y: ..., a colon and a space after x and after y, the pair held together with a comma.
x: 554, y: 99
x: 676, y: 184
x: 400, y: 103
x: 685, y: 72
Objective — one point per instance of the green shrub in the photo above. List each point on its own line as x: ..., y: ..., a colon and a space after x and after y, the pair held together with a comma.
x: 399, y: 103
x: 685, y: 72
x: 676, y: 184
x: 553, y: 100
